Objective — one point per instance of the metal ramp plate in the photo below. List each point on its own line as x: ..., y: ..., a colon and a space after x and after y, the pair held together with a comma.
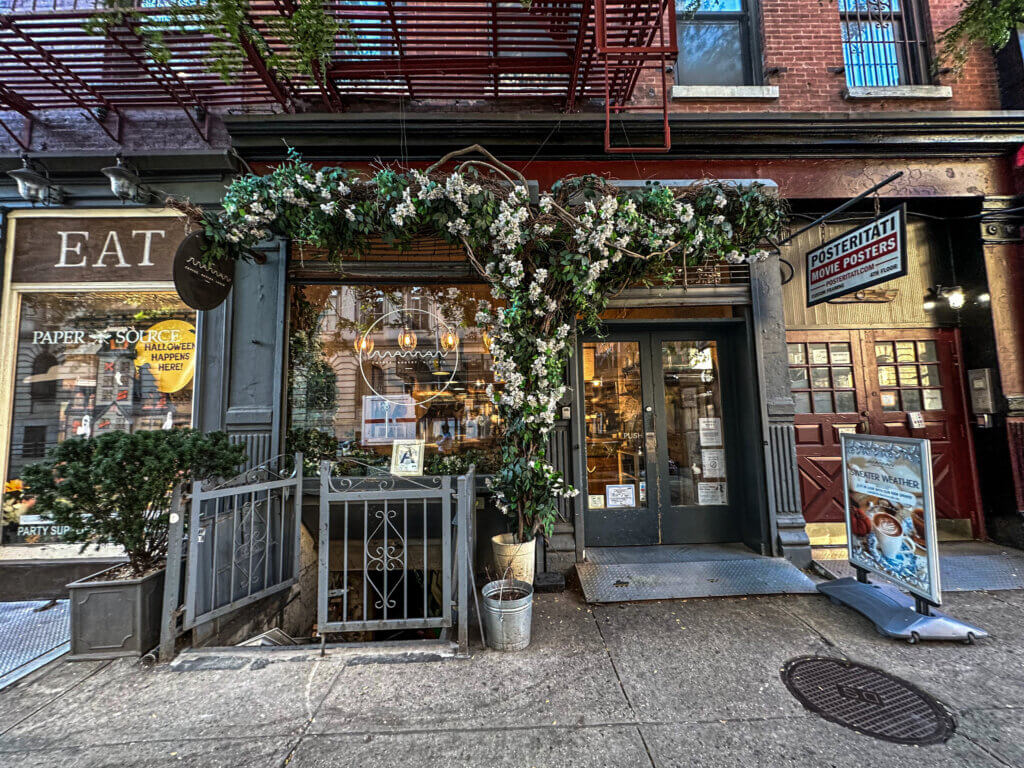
x: 964, y: 567
x: 30, y: 638
x: 624, y: 582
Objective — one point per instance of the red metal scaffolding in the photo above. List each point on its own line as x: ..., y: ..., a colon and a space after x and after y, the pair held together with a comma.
x: 566, y: 52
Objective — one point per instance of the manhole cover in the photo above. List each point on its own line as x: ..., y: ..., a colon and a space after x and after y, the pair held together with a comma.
x: 868, y: 700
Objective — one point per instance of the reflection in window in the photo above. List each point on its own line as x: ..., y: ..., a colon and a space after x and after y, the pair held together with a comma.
x: 883, y: 43
x: 373, y: 364
x: 694, y: 423
x: 713, y: 43
x: 616, y: 462
x: 89, y: 363
x: 43, y: 388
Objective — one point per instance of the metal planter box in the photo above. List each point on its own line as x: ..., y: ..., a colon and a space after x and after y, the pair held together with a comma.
x: 115, y: 618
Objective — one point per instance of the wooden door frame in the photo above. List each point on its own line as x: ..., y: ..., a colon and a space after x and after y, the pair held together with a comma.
x: 869, y: 400
x: 957, y: 389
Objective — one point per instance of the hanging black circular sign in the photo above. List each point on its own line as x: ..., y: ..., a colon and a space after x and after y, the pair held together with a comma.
x: 201, y: 285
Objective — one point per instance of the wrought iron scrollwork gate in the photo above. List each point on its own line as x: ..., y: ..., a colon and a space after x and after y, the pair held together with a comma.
x: 243, y: 542
x: 392, y: 551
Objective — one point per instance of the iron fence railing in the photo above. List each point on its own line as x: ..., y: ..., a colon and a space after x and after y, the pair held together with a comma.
x: 392, y: 550
x: 243, y: 542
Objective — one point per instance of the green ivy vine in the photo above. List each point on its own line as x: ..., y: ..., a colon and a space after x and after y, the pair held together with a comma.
x: 307, y: 35
x: 552, y: 265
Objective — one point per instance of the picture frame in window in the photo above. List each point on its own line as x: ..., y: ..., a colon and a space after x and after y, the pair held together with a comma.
x: 407, y: 458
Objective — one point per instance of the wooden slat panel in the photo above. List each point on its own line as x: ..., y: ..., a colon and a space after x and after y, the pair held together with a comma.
x: 925, y: 249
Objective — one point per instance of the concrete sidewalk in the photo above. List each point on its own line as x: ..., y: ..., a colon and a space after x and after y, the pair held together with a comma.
x: 674, y: 683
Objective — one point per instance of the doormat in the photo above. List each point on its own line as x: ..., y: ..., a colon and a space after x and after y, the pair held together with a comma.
x: 868, y: 700
x: 626, y: 582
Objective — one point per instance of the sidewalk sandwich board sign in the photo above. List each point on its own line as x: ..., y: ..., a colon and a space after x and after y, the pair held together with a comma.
x: 868, y: 255
x: 890, y: 511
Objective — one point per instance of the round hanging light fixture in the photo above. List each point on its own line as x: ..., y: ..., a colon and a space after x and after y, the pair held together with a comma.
x: 407, y: 340
x: 449, y: 340
x: 125, y: 184
x: 363, y: 345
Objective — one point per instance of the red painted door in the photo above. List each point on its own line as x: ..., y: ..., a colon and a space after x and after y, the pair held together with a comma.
x: 870, y: 381
x: 826, y: 375
x: 915, y: 370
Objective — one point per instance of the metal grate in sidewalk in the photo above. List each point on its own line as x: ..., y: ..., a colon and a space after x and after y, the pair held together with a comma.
x: 964, y: 567
x: 30, y: 637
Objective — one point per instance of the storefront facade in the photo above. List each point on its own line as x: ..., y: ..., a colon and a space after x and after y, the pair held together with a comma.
x: 97, y: 338
x: 655, y: 428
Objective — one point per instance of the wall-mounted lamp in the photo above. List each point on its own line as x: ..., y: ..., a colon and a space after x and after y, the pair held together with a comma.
x: 126, y: 184
x: 953, y: 295
x: 34, y: 186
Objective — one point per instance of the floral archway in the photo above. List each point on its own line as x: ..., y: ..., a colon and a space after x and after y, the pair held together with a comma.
x: 553, y: 266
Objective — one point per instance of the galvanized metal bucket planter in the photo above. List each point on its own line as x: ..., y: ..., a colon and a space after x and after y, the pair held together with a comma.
x: 115, y: 618
x: 514, y: 559
x: 508, y: 614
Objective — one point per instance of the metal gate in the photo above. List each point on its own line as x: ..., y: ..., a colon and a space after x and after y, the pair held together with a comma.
x: 387, y: 560
x: 243, y: 542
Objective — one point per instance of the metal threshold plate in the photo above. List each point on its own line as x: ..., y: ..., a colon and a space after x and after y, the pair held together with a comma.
x: 964, y: 567
x: 624, y: 582
x: 30, y: 638
x: 868, y: 700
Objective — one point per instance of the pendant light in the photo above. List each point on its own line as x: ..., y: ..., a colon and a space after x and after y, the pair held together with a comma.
x: 449, y: 340
x: 363, y: 345
x: 407, y: 339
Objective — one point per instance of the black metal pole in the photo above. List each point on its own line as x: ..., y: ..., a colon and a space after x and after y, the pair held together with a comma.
x: 852, y: 201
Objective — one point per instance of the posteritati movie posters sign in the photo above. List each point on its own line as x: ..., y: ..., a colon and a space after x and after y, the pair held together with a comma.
x: 890, y: 510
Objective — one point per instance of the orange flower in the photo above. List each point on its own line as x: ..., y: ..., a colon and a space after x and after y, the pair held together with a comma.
x: 14, y: 486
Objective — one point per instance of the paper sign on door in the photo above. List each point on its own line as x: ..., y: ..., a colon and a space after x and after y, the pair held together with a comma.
x: 713, y: 462
x: 711, y: 493
x: 710, y: 432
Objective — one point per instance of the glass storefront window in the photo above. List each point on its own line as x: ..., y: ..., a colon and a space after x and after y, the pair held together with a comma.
x: 373, y: 364
x: 94, y: 362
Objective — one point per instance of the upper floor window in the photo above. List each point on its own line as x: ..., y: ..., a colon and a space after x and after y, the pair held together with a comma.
x: 884, y: 43
x: 715, y: 43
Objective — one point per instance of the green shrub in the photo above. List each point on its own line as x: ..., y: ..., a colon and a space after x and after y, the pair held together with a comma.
x: 116, y: 488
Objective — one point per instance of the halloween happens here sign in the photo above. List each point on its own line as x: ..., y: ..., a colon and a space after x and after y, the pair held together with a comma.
x: 169, y: 349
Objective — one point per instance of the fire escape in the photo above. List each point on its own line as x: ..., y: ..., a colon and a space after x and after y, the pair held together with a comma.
x: 567, y: 54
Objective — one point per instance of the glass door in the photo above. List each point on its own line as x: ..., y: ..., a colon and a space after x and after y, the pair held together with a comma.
x: 616, y: 391
x: 660, y: 440
x: 695, y: 426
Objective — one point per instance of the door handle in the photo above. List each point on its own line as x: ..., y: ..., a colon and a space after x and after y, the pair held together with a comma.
x: 865, y: 426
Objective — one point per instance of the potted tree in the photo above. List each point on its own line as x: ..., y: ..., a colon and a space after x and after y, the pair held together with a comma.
x: 116, y: 489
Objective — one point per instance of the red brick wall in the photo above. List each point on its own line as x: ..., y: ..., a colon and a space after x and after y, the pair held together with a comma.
x: 804, y: 38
